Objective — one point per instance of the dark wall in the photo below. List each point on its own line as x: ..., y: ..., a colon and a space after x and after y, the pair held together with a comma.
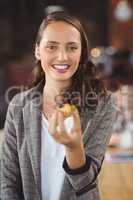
x: 95, y: 13
x: 18, y: 23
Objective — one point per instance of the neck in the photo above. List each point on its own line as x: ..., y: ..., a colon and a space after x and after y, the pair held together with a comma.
x: 50, y: 90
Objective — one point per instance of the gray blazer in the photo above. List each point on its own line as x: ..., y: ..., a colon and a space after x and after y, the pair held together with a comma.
x: 20, y: 163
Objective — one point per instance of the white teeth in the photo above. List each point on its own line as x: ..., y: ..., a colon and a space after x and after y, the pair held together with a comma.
x: 60, y: 66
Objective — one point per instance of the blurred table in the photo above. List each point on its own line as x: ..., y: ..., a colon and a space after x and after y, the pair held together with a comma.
x: 116, y: 180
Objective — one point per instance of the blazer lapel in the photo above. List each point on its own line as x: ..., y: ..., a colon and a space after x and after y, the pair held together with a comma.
x: 32, y: 124
x: 86, y: 119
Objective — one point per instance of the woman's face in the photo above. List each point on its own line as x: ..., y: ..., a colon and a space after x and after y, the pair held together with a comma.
x: 59, y: 51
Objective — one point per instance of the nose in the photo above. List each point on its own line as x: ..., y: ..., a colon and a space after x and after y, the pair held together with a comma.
x: 62, y: 55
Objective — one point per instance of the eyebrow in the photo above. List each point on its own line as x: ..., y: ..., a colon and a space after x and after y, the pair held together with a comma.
x: 54, y: 42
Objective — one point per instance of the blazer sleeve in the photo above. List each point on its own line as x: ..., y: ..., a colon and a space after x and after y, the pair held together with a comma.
x: 84, y: 179
x: 11, y: 185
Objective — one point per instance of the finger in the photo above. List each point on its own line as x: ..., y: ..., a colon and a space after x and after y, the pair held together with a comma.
x: 61, y: 126
x: 76, y: 120
x: 53, y: 123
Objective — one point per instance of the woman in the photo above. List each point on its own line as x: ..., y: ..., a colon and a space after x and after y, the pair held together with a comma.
x: 46, y: 156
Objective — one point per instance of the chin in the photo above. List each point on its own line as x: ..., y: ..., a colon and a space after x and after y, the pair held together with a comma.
x: 62, y: 77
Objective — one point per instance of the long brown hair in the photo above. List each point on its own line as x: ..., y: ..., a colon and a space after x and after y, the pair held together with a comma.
x: 85, y: 79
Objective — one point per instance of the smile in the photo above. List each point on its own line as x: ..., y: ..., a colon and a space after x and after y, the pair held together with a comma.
x: 61, y: 66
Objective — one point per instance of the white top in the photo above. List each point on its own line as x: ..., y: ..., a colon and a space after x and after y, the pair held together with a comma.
x: 52, y: 157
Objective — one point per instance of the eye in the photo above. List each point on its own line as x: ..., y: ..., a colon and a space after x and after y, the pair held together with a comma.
x: 51, y: 47
x: 73, y: 48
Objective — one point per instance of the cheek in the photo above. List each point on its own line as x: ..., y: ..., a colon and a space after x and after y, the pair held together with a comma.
x: 45, y: 58
x: 76, y: 57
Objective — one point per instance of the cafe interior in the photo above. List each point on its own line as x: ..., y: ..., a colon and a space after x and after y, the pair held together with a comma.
x: 109, y: 27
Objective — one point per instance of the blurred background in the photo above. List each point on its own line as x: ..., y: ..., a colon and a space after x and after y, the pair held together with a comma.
x: 109, y: 27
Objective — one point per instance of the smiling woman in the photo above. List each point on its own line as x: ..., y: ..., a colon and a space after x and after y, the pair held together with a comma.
x: 59, y: 52
x: 41, y: 159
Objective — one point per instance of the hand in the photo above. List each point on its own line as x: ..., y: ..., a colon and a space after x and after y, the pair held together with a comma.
x: 74, y: 148
x: 72, y: 139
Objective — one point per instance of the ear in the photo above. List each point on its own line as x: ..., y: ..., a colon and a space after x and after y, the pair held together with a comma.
x: 37, y: 52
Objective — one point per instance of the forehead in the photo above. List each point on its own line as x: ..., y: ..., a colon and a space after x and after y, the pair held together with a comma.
x: 61, y: 32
